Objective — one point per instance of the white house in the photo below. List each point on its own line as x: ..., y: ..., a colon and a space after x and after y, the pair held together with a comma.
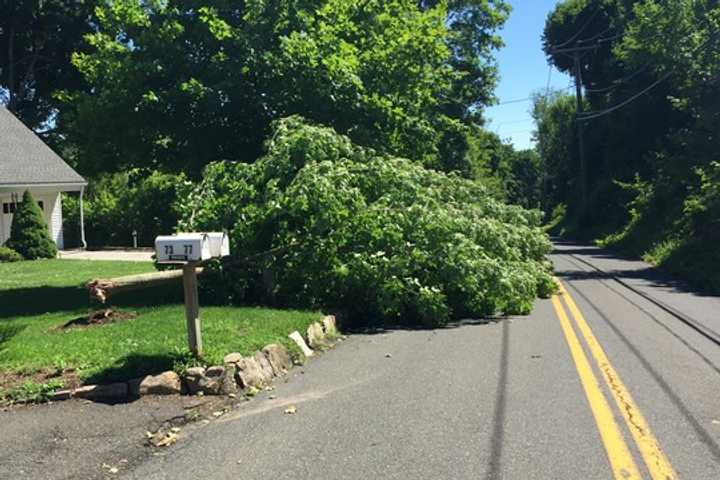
x: 26, y: 163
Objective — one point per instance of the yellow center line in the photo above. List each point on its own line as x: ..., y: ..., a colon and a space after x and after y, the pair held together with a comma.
x: 657, y: 463
x: 621, y: 461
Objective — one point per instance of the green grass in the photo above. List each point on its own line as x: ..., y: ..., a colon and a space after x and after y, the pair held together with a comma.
x: 36, y: 298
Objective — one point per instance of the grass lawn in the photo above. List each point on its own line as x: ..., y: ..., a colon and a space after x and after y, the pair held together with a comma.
x: 37, y: 298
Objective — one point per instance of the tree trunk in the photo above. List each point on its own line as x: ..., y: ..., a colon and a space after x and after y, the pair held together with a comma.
x: 101, y: 289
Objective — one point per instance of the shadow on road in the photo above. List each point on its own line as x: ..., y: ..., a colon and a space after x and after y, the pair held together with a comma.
x: 380, y: 329
x: 634, y: 270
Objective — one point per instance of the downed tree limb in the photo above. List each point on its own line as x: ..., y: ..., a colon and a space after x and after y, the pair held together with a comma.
x: 101, y: 289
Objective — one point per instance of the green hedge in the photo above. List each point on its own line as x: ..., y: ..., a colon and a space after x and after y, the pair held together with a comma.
x: 29, y: 234
x: 116, y: 204
x: 8, y: 255
x: 319, y: 222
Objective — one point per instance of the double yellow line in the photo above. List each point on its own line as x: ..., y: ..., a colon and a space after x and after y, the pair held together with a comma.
x: 621, y: 460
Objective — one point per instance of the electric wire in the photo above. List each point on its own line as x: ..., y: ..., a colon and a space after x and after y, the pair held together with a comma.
x: 601, y: 113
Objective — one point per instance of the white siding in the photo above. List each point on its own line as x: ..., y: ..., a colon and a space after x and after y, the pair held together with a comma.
x: 5, y: 220
x: 54, y: 211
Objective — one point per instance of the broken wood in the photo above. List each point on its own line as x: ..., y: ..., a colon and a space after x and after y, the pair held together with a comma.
x: 101, y: 289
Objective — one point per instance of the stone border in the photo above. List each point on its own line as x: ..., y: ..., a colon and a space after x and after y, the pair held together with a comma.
x: 238, y: 374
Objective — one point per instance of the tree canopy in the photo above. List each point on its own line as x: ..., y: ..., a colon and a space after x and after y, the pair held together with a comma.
x: 37, y: 39
x: 176, y: 84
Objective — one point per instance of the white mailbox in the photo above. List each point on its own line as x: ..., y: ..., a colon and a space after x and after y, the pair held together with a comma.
x: 219, y: 244
x: 182, y: 248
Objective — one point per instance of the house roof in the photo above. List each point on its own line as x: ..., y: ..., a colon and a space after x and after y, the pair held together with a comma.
x: 25, y: 160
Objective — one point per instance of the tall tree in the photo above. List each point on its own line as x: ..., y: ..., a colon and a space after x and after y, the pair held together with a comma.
x: 556, y: 142
x: 473, y: 39
x: 37, y: 38
x: 179, y: 83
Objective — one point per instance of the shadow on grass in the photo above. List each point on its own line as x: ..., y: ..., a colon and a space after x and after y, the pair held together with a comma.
x: 137, y: 365
x: 9, y: 331
x: 38, y: 300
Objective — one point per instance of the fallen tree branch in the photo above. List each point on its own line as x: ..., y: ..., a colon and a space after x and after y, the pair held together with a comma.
x: 101, y: 289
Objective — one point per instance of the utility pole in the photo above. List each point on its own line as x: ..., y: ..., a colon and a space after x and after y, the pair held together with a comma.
x: 581, y: 142
x: 575, y: 53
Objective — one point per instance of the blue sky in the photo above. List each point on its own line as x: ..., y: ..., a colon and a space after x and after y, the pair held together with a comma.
x: 523, y: 70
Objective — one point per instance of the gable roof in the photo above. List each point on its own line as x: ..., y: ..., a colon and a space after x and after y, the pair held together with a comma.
x: 25, y: 160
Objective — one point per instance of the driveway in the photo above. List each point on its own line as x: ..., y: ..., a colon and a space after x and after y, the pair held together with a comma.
x: 124, y: 255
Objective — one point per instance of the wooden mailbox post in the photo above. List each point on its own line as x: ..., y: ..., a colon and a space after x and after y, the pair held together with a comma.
x: 189, y: 250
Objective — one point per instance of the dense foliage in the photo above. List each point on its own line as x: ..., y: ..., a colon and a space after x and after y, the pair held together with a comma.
x: 321, y: 222
x: 37, y: 38
x: 29, y: 234
x: 9, y: 255
x: 118, y: 204
x: 652, y: 137
x: 402, y: 76
x: 510, y: 175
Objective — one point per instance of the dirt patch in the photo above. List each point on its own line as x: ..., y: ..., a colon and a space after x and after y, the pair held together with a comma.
x: 99, y: 317
x: 9, y: 380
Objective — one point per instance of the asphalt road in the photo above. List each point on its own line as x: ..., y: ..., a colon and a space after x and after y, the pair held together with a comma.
x: 617, y: 378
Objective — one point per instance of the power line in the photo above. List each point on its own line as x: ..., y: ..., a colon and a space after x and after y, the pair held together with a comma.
x: 595, y: 37
x: 507, y: 102
x: 601, y: 113
x: 547, y: 87
x: 515, y: 132
x: 513, y: 122
x: 582, y: 29
x: 591, y: 115
x: 619, y: 35
x: 526, y: 99
x: 618, y: 82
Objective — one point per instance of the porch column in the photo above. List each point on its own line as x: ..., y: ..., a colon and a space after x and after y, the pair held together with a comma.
x: 82, y: 219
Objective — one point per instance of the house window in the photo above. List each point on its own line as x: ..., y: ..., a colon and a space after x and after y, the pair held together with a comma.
x: 10, y: 207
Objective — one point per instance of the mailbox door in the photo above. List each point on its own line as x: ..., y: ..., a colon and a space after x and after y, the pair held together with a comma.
x: 219, y: 244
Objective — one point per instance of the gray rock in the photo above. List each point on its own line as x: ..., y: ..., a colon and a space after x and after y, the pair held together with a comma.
x: 59, y: 395
x: 167, y: 383
x: 227, y: 382
x: 278, y: 357
x: 215, y: 376
x: 300, y: 342
x: 266, y: 370
x: 196, y: 380
x: 105, y: 392
x: 195, y: 371
x: 330, y: 325
x: 316, y: 336
x: 248, y: 373
x: 232, y: 358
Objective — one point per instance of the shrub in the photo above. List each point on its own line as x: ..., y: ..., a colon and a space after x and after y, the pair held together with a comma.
x: 319, y: 222
x: 9, y: 255
x: 116, y: 204
x: 29, y: 235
